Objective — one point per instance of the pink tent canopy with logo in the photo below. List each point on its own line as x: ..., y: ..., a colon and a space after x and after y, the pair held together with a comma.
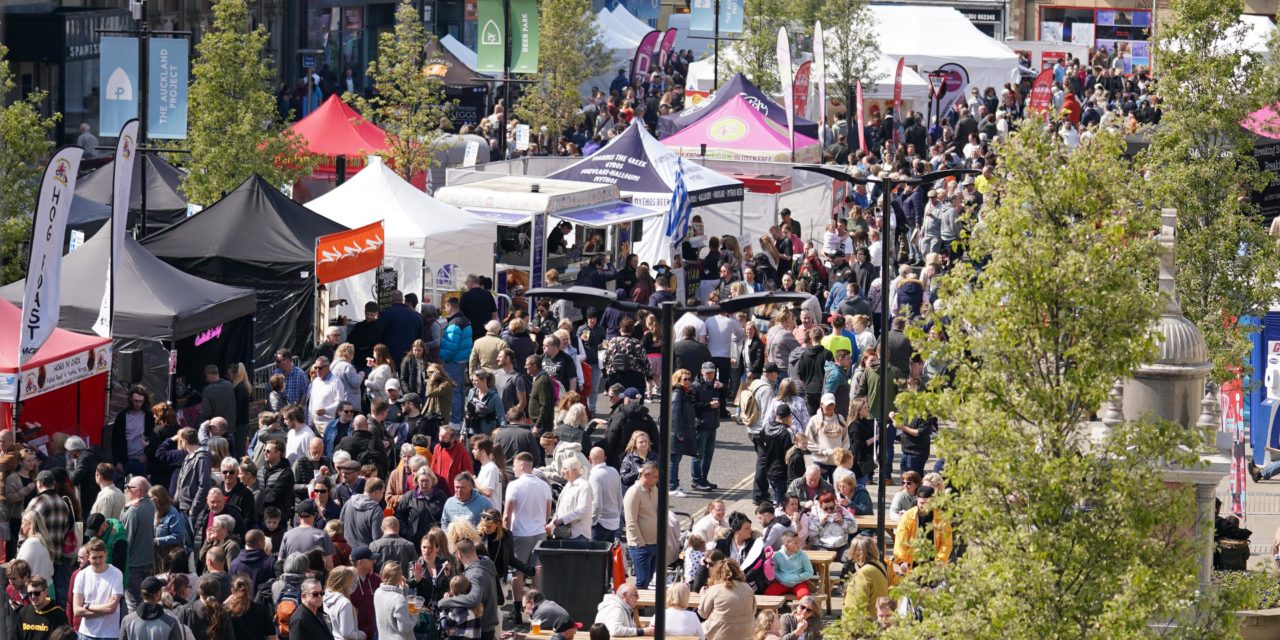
x: 738, y: 131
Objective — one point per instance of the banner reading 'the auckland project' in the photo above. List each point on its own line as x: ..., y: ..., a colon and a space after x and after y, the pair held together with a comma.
x: 702, y: 15
x: 492, y: 36
x: 167, y: 72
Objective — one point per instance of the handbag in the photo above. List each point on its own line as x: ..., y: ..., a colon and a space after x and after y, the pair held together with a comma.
x: 75, y: 533
x: 562, y: 532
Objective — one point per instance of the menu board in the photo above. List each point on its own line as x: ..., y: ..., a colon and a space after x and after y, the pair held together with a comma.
x: 1125, y: 33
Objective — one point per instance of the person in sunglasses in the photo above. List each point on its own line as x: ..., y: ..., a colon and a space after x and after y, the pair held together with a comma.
x: 309, y: 621
x: 41, y: 616
x: 804, y: 620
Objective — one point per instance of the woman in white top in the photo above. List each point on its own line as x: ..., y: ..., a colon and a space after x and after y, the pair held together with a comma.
x: 680, y: 620
x: 383, y: 368
x: 35, y: 547
x: 574, y: 508
x: 342, y: 615
x: 345, y: 373
x: 493, y: 469
x: 826, y: 432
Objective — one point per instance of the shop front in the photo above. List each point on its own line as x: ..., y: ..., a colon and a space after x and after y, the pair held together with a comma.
x: 1123, y: 30
x: 988, y: 19
x: 57, y: 52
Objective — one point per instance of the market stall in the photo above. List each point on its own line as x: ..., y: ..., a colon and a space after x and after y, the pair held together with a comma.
x: 736, y: 87
x: 62, y: 388
x: 915, y: 32
x: 736, y: 130
x: 165, y: 203
x: 466, y: 91
x: 255, y: 238
x: 430, y: 244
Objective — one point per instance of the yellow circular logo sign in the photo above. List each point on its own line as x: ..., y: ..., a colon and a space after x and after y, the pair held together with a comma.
x: 728, y: 129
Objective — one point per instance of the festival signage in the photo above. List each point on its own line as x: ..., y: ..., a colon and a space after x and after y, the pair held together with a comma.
x: 524, y: 49
x: 954, y: 86
x: 346, y: 253
x: 731, y: 12
x: 118, y: 77
x: 667, y: 46
x: 862, y: 124
x: 1041, y: 92
x: 702, y: 15
x: 644, y: 57
x: 785, y: 79
x: 800, y: 88
x: 43, y: 290
x: 897, y: 102
x: 491, y: 40
x: 167, y: 98
x: 122, y: 181
x: 60, y: 373
x: 820, y: 70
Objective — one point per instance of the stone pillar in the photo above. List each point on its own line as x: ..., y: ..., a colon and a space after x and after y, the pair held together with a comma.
x: 1205, y: 494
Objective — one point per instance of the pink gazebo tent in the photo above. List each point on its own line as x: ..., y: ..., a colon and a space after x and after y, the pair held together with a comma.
x: 738, y: 131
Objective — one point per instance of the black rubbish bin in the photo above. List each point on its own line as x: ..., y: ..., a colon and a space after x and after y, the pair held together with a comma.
x: 575, y: 575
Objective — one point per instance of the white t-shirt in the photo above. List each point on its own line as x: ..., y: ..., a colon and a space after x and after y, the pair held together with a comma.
x: 682, y: 622
x: 531, y: 496
x: 97, y: 588
x: 296, y: 443
x: 491, y: 478
x: 690, y: 319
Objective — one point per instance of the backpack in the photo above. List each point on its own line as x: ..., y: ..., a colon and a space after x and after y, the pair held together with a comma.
x: 371, y: 455
x: 749, y: 410
x: 760, y: 574
x: 287, y: 603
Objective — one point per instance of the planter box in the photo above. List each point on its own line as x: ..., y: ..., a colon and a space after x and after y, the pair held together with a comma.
x: 1260, y: 624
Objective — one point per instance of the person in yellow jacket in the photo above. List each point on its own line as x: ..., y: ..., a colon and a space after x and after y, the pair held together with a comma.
x: 921, y: 520
x: 870, y: 580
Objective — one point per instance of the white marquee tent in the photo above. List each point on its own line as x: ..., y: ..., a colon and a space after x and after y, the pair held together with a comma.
x: 425, y: 239
x: 930, y: 36
x: 914, y: 87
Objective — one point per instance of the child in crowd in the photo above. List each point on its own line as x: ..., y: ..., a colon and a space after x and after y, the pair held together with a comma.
x: 694, y: 551
x: 460, y: 622
x: 272, y: 526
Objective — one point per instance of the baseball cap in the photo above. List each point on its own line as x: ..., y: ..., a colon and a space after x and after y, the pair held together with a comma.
x: 924, y: 492
x: 413, y: 398
x: 708, y: 366
x: 349, y: 465
x: 771, y: 367
x: 307, y: 509
x: 361, y: 553
x: 152, y: 585
x: 566, y: 625
x: 393, y: 384
x: 783, y: 411
x: 94, y: 522
x: 45, y: 477
x: 631, y: 393
x: 828, y: 398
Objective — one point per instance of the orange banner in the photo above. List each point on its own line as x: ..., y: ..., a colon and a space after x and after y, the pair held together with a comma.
x: 346, y: 253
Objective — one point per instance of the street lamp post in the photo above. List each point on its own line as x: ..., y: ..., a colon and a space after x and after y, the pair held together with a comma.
x: 666, y: 313
x: 887, y: 185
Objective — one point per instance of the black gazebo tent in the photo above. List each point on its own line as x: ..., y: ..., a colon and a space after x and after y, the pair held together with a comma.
x: 257, y: 238
x: 165, y: 202
x: 461, y: 85
x: 157, y: 309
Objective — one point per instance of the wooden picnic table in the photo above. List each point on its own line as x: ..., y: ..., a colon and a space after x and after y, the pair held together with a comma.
x: 869, y: 522
x: 762, y: 602
x: 821, y: 560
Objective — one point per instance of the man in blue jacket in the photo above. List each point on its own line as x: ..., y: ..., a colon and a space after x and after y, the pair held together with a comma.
x: 400, y: 326
x: 455, y: 353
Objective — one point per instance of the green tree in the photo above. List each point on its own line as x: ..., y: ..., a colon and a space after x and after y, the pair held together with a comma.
x: 234, y: 130
x: 571, y: 52
x: 756, y: 54
x: 1065, y: 536
x: 408, y: 103
x: 24, y: 139
x: 851, y: 48
x: 1200, y: 162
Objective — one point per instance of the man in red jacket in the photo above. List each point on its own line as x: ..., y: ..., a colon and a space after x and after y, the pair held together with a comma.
x: 449, y: 458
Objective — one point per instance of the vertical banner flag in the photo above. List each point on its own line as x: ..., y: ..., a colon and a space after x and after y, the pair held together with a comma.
x: 731, y: 16
x: 347, y: 253
x: 492, y: 36
x: 644, y: 57
x: 122, y: 185
x: 785, y: 79
x: 957, y: 82
x: 820, y: 70
x: 897, y: 103
x: 862, y: 125
x: 524, y: 51
x: 678, y: 214
x: 702, y: 15
x: 800, y: 88
x: 1041, y: 93
x: 118, y: 77
x: 667, y: 46
x: 167, y: 74
x: 42, y: 294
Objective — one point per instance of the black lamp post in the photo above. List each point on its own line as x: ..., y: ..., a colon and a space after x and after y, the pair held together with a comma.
x: 666, y: 313
x: 887, y: 185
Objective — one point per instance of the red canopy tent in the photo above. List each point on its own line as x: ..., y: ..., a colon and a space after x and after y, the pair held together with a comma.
x: 335, y: 129
x: 63, y: 387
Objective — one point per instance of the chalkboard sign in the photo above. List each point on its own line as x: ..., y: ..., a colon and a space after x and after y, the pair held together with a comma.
x: 386, y: 283
x: 692, y: 278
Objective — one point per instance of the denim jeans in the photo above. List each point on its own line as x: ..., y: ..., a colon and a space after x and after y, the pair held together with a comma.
x: 457, y: 371
x: 601, y: 534
x: 673, y: 481
x: 642, y: 563
x: 1271, y: 470
x: 706, y: 443
x: 597, y: 374
x: 912, y: 462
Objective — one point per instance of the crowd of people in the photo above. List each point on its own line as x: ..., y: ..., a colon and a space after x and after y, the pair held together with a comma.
x: 397, y: 482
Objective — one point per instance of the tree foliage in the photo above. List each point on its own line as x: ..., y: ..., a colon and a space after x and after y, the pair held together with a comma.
x: 1065, y: 537
x: 24, y: 146
x: 756, y: 54
x: 234, y: 130
x: 1200, y: 162
x: 571, y: 51
x: 852, y: 51
x: 408, y: 103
